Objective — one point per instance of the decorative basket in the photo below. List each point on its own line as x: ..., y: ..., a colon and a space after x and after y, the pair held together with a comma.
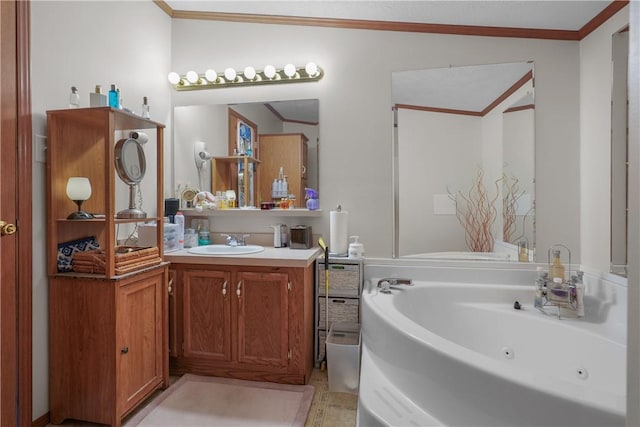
x: 127, y: 259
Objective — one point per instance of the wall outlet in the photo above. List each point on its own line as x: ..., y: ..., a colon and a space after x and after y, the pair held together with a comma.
x: 40, y: 149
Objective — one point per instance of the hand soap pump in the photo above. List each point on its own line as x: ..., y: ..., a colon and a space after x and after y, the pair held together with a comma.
x: 356, y: 249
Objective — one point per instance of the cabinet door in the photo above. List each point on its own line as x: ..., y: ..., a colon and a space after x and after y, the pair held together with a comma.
x: 207, y: 317
x: 263, y: 323
x: 173, y: 313
x: 139, y: 339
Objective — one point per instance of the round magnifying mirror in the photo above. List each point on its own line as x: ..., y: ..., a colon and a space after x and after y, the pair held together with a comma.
x: 131, y: 166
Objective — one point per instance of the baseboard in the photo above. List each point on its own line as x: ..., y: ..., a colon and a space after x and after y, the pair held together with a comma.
x: 41, y: 421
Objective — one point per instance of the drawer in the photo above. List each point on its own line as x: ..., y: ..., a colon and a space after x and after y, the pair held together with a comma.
x: 340, y: 310
x: 344, y: 279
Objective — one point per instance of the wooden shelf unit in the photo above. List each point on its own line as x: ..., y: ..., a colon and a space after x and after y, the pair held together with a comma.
x: 81, y: 143
x: 108, y: 335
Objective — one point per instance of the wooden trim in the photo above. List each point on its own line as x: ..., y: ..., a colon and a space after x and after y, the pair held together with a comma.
x: 517, y: 85
x: 520, y: 108
x: 164, y: 6
x: 361, y: 24
x: 279, y: 116
x: 25, y: 246
x: 41, y: 421
x: 412, y: 27
x: 440, y: 110
x: 613, y: 8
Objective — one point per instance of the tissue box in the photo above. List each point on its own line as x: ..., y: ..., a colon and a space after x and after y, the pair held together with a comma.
x: 147, y: 236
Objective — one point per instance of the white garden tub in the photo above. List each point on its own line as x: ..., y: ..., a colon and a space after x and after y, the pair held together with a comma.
x: 459, y: 354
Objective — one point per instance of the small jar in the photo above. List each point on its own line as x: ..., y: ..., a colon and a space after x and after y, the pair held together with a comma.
x: 204, y: 238
x: 190, y: 238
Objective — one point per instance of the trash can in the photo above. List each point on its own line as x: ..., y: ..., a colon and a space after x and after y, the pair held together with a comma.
x: 343, y: 357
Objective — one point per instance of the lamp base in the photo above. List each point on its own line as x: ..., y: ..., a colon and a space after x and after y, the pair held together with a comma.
x: 131, y: 213
x: 80, y: 215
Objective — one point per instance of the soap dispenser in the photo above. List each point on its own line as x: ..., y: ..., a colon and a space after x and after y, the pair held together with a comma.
x: 356, y: 249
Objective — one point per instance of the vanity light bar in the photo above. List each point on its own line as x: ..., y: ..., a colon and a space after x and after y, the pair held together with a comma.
x: 210, y: 79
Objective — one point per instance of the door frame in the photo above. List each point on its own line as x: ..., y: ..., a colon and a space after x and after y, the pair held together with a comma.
x: 18, y: 333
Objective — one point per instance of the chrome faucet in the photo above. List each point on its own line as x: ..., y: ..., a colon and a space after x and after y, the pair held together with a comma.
x: 234, y: 240
x: 386, y: 284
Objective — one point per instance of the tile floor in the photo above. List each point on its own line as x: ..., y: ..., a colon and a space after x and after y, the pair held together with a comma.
x: 327, y: 409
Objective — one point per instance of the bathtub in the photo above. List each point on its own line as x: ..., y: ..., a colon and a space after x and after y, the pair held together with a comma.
x: 458, y: 354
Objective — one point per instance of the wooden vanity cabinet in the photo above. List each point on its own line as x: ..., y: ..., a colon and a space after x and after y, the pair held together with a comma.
x: 107, y: 344
x: 244, y: 322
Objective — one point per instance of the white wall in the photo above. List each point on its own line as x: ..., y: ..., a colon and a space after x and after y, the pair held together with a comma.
x: 595, y: 142
x: 355, y: 101
x: 84, y: 44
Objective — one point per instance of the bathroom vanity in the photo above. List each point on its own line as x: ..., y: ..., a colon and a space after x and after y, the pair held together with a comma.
x: 243, y: 316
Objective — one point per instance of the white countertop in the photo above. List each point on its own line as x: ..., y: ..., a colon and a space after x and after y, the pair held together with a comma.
x: 270, y: 257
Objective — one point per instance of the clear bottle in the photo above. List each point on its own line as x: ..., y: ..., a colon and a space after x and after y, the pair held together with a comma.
x: 74, y: 98
x: 179, y: 220
x: 556, y: 271
x: 523, y: 256
x: 145, y: 108
x: 274, y: 189
x: 114, y: 97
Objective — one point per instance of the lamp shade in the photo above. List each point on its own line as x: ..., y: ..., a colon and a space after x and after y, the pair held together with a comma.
x: 78, y: 188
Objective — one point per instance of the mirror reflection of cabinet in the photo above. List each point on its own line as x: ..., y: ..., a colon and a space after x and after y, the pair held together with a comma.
x: 288, y: 151
x: 237, y: 173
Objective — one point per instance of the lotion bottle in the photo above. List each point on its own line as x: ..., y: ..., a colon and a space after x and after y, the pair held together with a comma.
x: 97, y: 98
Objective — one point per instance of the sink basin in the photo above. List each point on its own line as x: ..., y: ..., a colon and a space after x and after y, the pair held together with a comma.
x: 226, y: 250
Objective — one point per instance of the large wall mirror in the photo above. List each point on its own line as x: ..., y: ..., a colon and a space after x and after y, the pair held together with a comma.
x: 464, y: 149
x: 214, y: 126
x: 619, y: 152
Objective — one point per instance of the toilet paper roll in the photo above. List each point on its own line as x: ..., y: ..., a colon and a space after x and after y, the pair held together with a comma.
x: 338, y: 233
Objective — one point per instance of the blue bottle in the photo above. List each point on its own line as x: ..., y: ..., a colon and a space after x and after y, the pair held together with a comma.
x: 114, y: 97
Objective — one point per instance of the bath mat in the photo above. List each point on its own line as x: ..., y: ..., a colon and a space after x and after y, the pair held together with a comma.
x: 211, y: 401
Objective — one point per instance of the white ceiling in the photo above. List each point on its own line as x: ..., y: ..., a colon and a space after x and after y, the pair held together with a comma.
x: 427, y: 87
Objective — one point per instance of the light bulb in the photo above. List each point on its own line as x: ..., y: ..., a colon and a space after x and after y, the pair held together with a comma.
x: 249, y: 73
x: 211, y: 75
x: 290, y: 70
x: 174, y: 78
x: 269, y: 71
x: 230, y: 74
x: 192, y: 77
x: 311, y: 68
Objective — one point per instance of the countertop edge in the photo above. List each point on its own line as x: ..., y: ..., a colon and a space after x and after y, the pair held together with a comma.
x: 270, y: 257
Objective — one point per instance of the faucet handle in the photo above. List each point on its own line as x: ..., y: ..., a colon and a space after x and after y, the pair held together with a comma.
x: 242, y: 240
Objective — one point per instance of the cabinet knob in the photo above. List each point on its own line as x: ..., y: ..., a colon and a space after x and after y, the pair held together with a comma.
x: 7, y: 228
x: 124, y: 350
x: 170, y: 287
x: 238, y: 291
x: 224, y: 288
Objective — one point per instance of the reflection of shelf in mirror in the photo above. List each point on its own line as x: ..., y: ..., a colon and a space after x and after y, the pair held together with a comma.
x: 250, y: 212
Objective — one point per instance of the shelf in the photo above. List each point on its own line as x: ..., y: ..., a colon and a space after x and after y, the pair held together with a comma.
x: 303, y: 213
x: 115, y: 220
x: 115, y: 277
x: 235, y: 159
